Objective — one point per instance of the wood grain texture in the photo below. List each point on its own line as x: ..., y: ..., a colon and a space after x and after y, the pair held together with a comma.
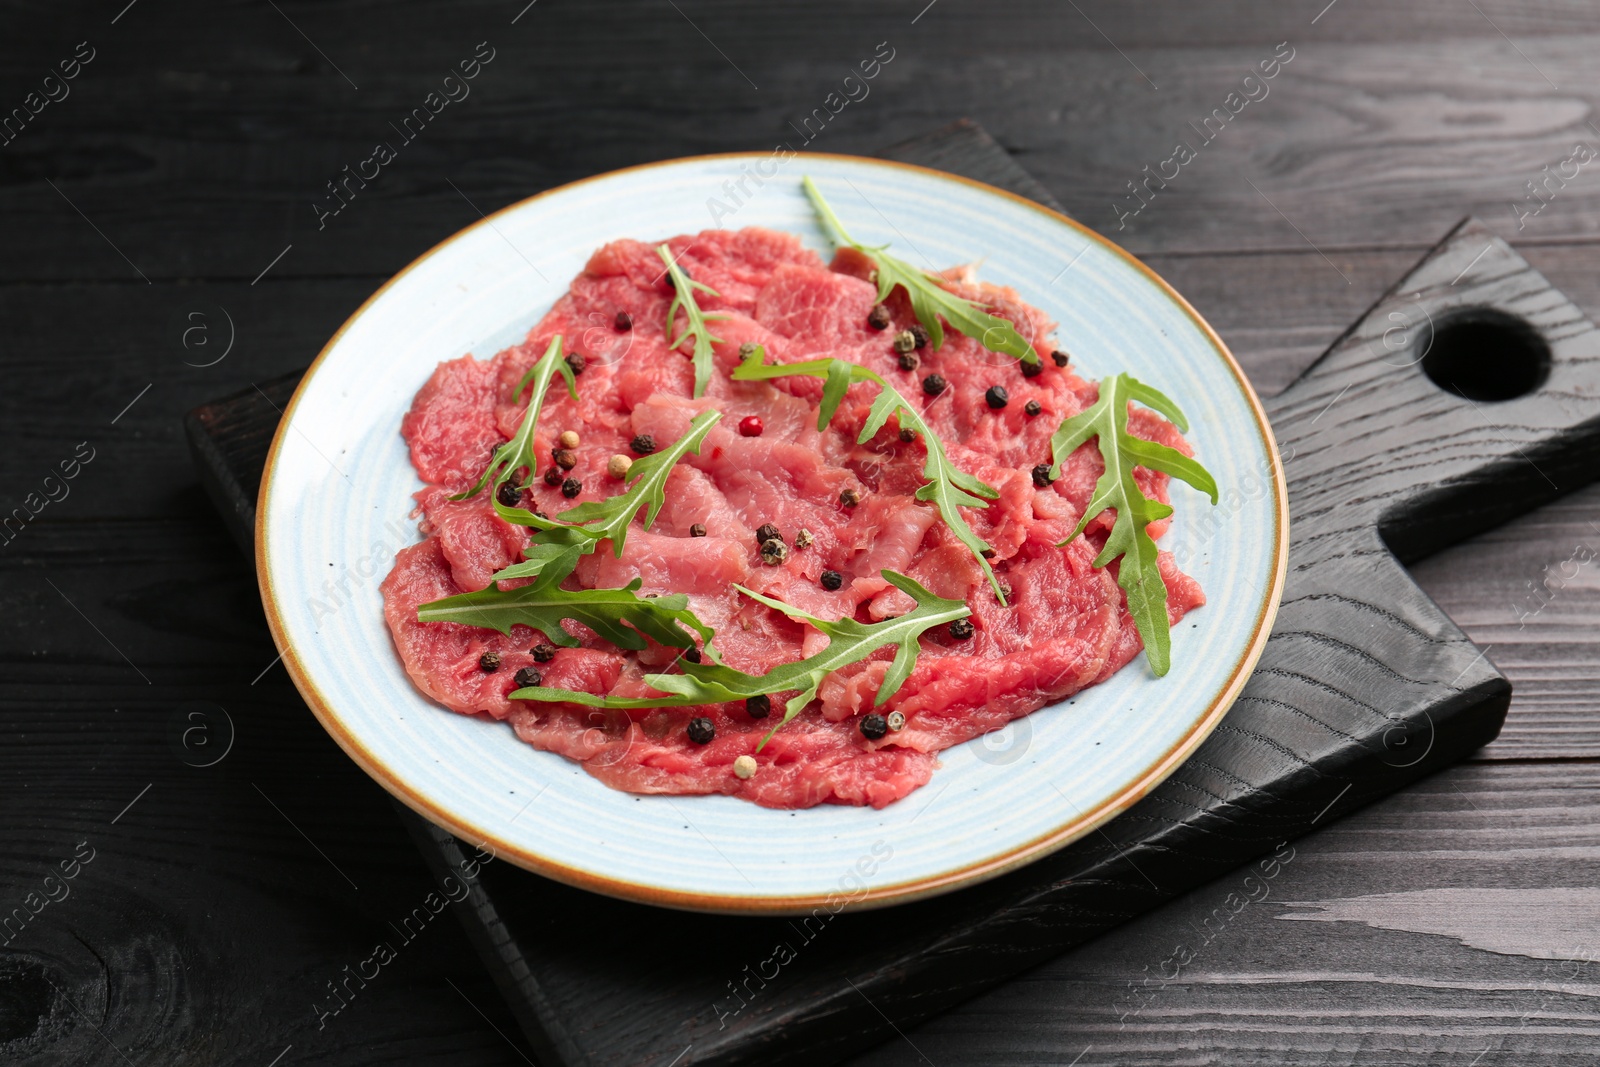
x: 1234, y: 974
x: 1371, y: 137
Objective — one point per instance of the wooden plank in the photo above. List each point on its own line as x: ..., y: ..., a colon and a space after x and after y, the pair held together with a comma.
x: 1340, y: 144
x: 1449, y: 924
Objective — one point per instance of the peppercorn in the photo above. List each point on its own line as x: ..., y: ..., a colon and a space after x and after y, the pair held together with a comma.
x: 1004, y: 591
x: 624, y: 322
x: 907, y: 434
x: 897, y: 721
x: 961, y: 629
x: 878, y: 317
x: 904, y: 341
x: 508, y: 494
x: 747, y: 349
x: 571, y: 488
x: 543, y: 652
x: 874, y: 726
x: 618, y: 465
x: 850, y: 498
x: 702, y: 730
x: 540, y: 515
x: 1032, y: 368
x: 774, y: 552
x: 569, y: 439
x: 643, y: 444
x: 697, y: 530
x: 758, y: 707
x: 576, y: 361
x: 804, y: 538
x: 529, y: 676
x: 489, y: 662
x: 565, y: 458
x: 933, y: 384
x: 692, y: 655
x: 745, y: 767
x: 919, y: 335
x: 767, y: 532
x: 1032, y: 407
x: 996, y: 396
x: 1060, y: 357
x: 909, y: 360
x: 1041, y: 476
x: 683, y: 270
x: 832, y: 580
x: 750, y: 426
x: 553, y: 476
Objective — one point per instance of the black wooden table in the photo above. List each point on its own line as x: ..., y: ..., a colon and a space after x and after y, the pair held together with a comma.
x: 162, y: 246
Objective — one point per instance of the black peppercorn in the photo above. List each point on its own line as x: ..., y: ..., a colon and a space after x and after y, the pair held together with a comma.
x: 489, y: 662
x: 878, y: 317
x: 540, y: 515
x: 571, y: 488
x: 961, y: 629
x: 702, y: 730
x: 767, y: 532
x: 508, y: 495
x: 909, y: 360
x: 576, y: 361
x: 933, y: 384
x: 850, y: 498
x: 832, y: 580
x: 1032, y: 407
x: 907, y: 435
x: 697, y: 530
x: 919, y: 336
x: 774, y: 552
x: 996, y: 396
x: 565, y: 458
x: 553, y: 476
x: 874, y: 726
x: 1041, y: 475
x: 544, y: 653
x: 624, y: 322
x: 643, y: 444
x: 1032, y: 368
x: 1060, y: 357
x: 529, y: 676
x: 758, y: 707
x: 692, y: 655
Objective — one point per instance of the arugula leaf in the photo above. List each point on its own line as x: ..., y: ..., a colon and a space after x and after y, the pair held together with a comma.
x: 618, y: 615
x: 683, y: 288
x: 929, y: 297
x: 849, y: 642
x: 518, y: 452
x: 949, y: 488
x: 1138, y: 575
x: 557, y: 545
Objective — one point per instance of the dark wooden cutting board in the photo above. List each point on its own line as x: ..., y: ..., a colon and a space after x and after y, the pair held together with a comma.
x: 1365, y: 685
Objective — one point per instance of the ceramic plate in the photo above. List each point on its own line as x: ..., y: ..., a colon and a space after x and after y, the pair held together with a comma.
x: 337, y: 491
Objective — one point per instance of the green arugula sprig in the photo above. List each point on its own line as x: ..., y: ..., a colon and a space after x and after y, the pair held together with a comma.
x: 518, y: 452
x: 695, y: 320
x: 1138, y: 574
x: 928, y: 295
x: 618, y: 615
x: 949, y: 488
x: 849, y: 642
x: 558, y: 543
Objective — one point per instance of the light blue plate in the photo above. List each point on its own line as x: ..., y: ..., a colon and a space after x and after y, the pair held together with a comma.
x: 338, y: 487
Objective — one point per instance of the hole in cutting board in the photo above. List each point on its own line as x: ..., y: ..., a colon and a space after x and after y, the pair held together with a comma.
x: 1484, y: 354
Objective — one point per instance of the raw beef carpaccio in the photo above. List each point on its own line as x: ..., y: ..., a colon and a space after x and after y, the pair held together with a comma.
x: 1066, y: 625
